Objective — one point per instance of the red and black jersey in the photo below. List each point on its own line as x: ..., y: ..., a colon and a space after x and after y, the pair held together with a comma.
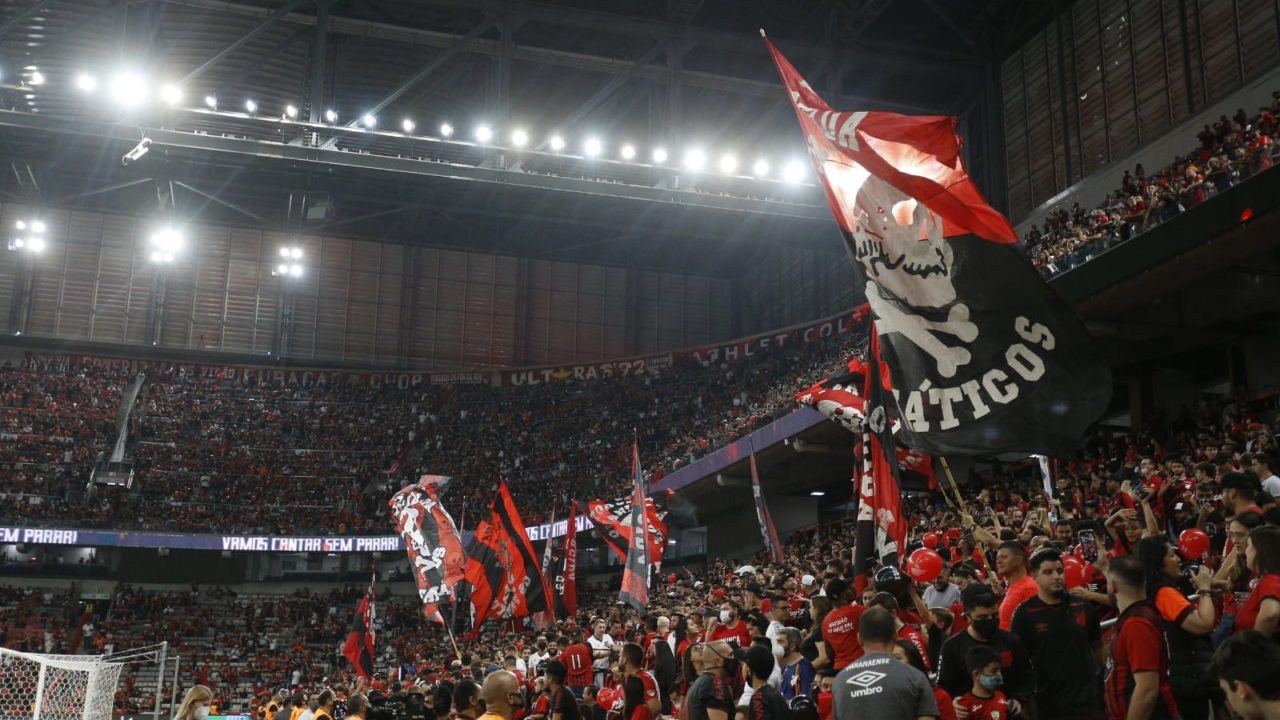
x: 1139, y: 646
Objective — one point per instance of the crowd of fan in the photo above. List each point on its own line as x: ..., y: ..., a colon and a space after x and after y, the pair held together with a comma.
x: 259, y: 455
x: 1231, y: 150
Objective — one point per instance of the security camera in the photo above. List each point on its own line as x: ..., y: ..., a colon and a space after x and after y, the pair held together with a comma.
x: 137, y: 152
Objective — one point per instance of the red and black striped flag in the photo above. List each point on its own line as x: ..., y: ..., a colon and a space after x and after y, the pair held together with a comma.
x: 360, y: 641
x: 635, y: 575
x: 770, y: 532
x: 985, y: 357
x: 566, y: 584
x: 503, y: 571
x: 432, y: 542
x: 881, y: 531
x: 613, y: 519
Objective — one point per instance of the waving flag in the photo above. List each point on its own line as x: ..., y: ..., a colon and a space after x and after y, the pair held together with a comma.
x: 613, y: 519
x: 635, y: 575
x: 881, y: 527
x: 567, y: 579
x: 431, y: 541
x: 360, y: 640
x: 985, y: 357
x: 502, y: 569
x: 767, y: 528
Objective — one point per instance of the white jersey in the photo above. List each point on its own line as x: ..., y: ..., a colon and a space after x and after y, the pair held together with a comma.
x: 604, y: 643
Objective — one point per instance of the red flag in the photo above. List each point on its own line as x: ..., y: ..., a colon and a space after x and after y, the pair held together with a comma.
x: 635, y: 575
x: 504, y: 573
x: 432, y: 542
x: 360, y: 641
x: 767, y: 528
x: 613, y: 519
x: 567, y: 580
x: 880, y: 494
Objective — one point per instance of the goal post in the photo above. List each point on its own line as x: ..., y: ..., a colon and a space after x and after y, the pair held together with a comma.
x: 56, y: 687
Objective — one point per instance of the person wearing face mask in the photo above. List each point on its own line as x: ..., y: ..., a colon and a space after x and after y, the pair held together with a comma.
x: 501, y: 694
x: 797, y: 672
x: 731, y: 627
x: 195, y: 704
x: 710, y: 696
x: 984, y: 699
x: 1137, y: 682
x: 981, y: 609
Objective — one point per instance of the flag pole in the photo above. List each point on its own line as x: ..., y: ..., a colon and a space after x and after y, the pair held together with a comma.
x: 946, y: 468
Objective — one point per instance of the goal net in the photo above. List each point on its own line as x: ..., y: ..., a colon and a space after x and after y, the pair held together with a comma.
x: 56, y: 687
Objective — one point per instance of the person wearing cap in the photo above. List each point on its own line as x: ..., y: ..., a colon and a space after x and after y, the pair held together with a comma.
x: 563, y: 705
x: 981, y: 609
x: 762, y: 701
x: 878, y: 686
x: 840, y: 626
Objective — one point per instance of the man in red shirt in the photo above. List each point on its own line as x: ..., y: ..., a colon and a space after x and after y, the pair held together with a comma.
x: 632, y: 658
x: 1011, y: 564
x: 731, y: 628
x: 1137, y: 684
x: 577, y: 658
x: 840, y: 626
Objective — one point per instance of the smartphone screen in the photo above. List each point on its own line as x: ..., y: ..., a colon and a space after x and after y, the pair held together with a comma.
x: 1088, y: 546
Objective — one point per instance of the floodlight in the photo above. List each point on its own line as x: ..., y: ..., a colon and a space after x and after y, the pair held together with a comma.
x: 284, y: 252
x: 37, y: 226
x: 331, y: 116
x: 295, y: 270
x: 695, y: 160
x: 86, y: 82
x: 21, y: 225
x: 167, y: 241
x: 793, y: 172
x: 128, y: 88
x: 446, y: 130
x: 36, y: 245
x: 628, y: 152
x: 557, y: 143
x: 37, y: 78
x: 295, y: 253
x: 291, y: 111
x: 592, y: 147
x: 171, y: 94
x: 519, y: 138
x: 369, y: 121
x: 728, y: 164
x: 484, y: 133
x: 760, y: 168
x: 282, y: 269
x: 659, y: 155
x: 211, y: 102
x: 250, y: 106
x: 19, y: 244
x: 407, y: 126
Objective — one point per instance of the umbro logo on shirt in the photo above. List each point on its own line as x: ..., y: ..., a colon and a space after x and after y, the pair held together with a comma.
x: 867, y: 680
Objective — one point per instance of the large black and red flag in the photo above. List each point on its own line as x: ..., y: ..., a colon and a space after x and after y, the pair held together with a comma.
x: 613, y: 518
x: 881, y: 530
x: 985, y: 357
x: 504, y: 573
x: 635, y: 574
x: 768, y: 530
x: 566, y: 585
x: 360, y: 641
x: 432, y: 542
x: 550, y: 561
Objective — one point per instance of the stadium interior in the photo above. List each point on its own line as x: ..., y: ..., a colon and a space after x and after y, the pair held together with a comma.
x: 271, y: 261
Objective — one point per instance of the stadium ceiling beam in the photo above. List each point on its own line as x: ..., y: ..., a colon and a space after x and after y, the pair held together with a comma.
x: 614, y: 83
x: 8, y: 24
x: 267, y: 22
x: 952, y: 67
x: 220, y: 201
x: 297, y: 156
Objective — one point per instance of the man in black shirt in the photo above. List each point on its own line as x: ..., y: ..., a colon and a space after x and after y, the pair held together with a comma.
x: 982, y: 607
x: 766, y: 703
x: 710, y: 697
x: 564, y: 705
x: 1063, y: 638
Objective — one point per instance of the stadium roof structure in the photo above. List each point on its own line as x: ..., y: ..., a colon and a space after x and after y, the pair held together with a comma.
x: 260, y: 111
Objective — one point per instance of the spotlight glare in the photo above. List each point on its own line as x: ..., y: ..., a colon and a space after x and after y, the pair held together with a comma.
x: 86, y: 82
x: 519, y: 138
x: 484, y: 133
x: 36, y: 245
x: 728, y: 164
x: 37, y: 226
x: 156, y: 256
x: 695, y: 160
x: 592, y: 147
x: 331, y: 116
x: 128, y: 88
x: 37, y: 78
x: 295, y: 270
x: 172, y: 95
x: 628, y: 152
x: 21, y: 225
x: 282, y: 269
x: 167, y: 242
x: 659, y: 156
x: 291, y: 111
x: 211, y: 102
x: 250, y: 106
x: 407, y: 126
x: 760, y: 168
x: 295, y: 253
x: 793, y: 172
x: 446, y: 130
x: 557, y: 143
x: 369, y: 121
x: 284, y: 252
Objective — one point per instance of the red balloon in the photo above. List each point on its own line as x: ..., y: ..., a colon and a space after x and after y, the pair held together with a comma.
x: 605, y: 697
x: 952, y: 535
x: 672, y: 578
x: 1193, y: 544
x: 930, y: 540
x: 924, y: 565
x: 1073, y: 571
